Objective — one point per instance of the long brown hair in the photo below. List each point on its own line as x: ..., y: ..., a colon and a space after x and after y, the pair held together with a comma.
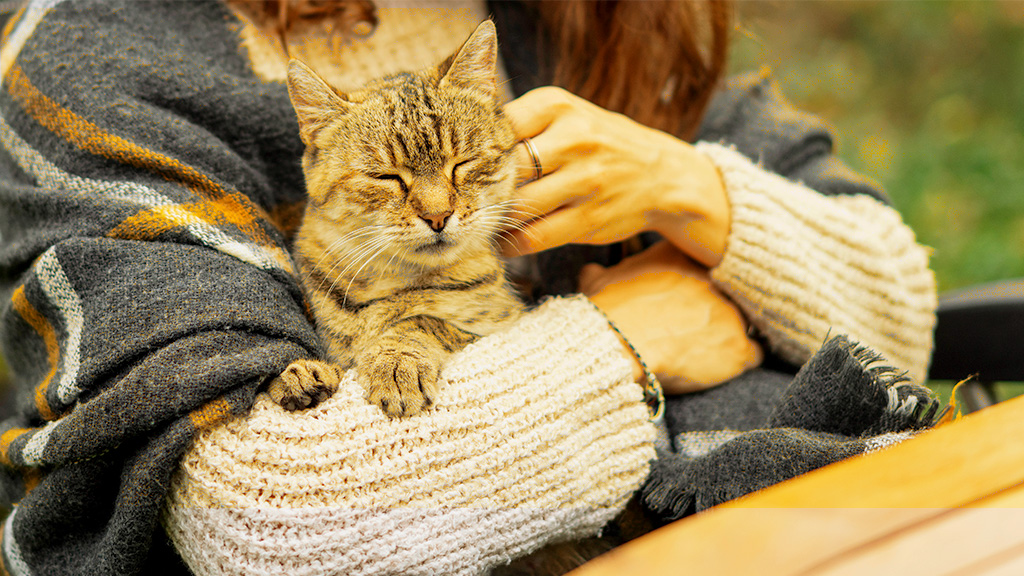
x: 657, y: 61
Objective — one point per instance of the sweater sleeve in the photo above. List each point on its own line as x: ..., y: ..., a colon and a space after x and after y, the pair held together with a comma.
x: 147, y: 288
x: 802, y: 265
x: 813, y: 246
x: 538, y: 435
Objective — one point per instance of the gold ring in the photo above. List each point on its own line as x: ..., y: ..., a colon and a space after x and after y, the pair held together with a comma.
x: 538, y: 171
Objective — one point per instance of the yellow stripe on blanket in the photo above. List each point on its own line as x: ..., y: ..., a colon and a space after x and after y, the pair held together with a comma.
x: 211, y: 413
x: 7, y: 439
x: 235, y: 207
x: 38, y: 323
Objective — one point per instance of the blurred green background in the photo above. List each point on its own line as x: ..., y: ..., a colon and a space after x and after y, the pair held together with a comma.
x: 927, y: 97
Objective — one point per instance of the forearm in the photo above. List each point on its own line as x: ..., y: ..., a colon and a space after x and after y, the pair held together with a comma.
x: 802, y: 265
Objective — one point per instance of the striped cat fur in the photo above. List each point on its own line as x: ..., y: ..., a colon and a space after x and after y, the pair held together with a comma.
x: 409, y: 180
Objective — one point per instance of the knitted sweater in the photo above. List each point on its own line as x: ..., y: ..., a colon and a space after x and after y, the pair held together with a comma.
x: 148, y: 182
x: 537, y: 435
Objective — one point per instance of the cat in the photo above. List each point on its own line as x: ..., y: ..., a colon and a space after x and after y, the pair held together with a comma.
x: 408, y: 179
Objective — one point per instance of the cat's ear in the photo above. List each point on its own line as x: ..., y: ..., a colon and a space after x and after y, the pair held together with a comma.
x: 315, y: 102
x: 475, y: 65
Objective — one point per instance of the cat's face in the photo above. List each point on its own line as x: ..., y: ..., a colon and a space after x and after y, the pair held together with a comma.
x: 416, y: 165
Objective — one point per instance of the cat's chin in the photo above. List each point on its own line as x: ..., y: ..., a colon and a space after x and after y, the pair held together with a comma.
x: 438, y: 247
x: 437, y: 253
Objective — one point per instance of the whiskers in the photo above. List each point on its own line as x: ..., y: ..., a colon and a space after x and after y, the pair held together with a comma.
x: 369, y: 243
x: 506, y: 215
x: 331, y: 250
x: 375, y: 257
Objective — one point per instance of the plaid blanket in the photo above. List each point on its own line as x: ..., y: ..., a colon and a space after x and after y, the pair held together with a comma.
x: 765, y: 427
x: 147, y: 175
x: 148, y: 185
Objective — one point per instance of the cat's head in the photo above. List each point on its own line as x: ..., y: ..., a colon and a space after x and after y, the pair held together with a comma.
x: 422, y: 159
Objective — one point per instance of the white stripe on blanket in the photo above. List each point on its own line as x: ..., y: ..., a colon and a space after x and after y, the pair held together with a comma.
x: 694, y: 444
x: 63, y: 297
x: 32, y: 453
x: 49, y: 175
x: 15, y: 564
x: 34, y: 13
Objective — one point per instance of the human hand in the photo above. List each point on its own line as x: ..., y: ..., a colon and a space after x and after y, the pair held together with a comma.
x: 607, y: 178
x: 688, y: 333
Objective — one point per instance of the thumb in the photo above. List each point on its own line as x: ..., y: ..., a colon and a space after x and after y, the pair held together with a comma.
x: 593, y: 278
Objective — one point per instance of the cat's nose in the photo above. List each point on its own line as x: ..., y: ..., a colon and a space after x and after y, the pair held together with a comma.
x: 436, y: 221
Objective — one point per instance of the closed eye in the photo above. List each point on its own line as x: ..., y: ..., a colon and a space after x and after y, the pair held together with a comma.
x: 455, y: 170
x: 483, y: 171
x: 392, y: 177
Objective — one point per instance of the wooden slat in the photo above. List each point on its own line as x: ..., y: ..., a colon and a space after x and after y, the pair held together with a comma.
x: 957, y: 542
x: 847, y: 512
x: 1012, y: 498
x: 984, y: 535
x: 748, y: 541
x: 1011, y: 564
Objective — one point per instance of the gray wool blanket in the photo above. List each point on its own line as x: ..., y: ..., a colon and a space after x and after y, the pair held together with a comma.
x: 763, y: 427
x: 149, y: 182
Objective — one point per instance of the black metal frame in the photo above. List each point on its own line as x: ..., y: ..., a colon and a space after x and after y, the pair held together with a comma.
x: 980, y: 332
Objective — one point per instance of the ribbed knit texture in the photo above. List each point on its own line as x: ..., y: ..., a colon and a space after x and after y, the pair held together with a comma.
x: 802, y: 266
x: 506, y: 461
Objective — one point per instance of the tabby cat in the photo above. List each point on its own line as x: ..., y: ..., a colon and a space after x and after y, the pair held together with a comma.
x: 409, y: 179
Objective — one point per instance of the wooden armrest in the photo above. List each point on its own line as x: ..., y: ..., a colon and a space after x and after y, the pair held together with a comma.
x: 950, y: 501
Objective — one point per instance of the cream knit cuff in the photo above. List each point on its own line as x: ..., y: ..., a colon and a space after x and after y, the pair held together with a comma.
x: 802, y: 265
x: 538, y: 434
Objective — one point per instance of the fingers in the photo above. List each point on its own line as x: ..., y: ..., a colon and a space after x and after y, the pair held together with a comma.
x: 593, y: 278
x: 564, y: 208
x: 660, y: 257
x: 526, y: 164
x: 555, y: 148
x: 554, y: 229
x: 533, y: 116
x: 587, y: 188
x: 534, y: 111
x: 539, y: 197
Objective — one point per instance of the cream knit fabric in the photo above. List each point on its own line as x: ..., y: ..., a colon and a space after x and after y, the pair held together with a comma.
x: 539, y: 434
x: 410, y: 35
x: 802, y: 265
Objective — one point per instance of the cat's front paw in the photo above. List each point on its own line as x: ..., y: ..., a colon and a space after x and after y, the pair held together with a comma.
x: 304, y: 384
x: 402, y: 381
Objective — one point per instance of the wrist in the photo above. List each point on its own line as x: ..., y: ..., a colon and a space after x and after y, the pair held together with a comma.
x: 629, y: 352
x: 654, y: 395
x: 692, y: 211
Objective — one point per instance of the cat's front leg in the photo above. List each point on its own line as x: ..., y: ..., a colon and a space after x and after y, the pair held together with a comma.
x: 400, y: 370
x: 400, y: 377
x: 304, y: 384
